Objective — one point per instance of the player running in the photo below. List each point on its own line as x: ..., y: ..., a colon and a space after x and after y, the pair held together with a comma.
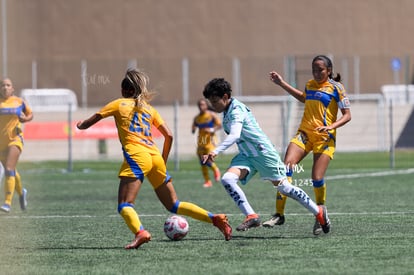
x: 134, y: 117
x: 256, y: 154
x: 207, y: 124
x: 322, y: 97
x: 13, y: 112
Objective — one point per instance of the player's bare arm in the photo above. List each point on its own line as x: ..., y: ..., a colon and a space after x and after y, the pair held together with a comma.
x: 85, y: 124
x: 168, y: 140
x: 276, y: 78
x: 345, y: 118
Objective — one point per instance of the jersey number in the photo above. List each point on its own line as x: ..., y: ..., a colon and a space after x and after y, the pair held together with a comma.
x: 140, y: 124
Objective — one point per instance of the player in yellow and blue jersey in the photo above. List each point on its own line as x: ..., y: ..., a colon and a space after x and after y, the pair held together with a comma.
x: 13, y: 112
x: 256, y: 155
x: 207, y: 124
x: 134, y: 119
x: 323, y: 96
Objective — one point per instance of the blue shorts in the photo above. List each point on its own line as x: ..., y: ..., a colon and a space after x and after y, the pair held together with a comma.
x: 269, y: 166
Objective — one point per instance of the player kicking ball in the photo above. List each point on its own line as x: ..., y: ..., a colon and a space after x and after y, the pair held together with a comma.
x: 135, y: 119
x: 256, y: 154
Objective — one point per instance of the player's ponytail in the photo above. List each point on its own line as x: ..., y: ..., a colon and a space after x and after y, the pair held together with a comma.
x: 328, y: 64
x: 138, y: 83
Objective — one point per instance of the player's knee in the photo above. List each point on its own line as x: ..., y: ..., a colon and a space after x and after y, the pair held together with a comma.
x: 284, y: 187
x: 123, y: 205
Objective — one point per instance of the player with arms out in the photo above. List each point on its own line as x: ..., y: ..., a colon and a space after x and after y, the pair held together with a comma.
x: 134, y: 117
x: 13, y: 112
x: 256, y: 154
x: 207, y: 124
x: 323, y: 96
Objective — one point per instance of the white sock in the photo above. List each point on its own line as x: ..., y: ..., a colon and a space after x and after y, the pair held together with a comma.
x: 229, y: 181
x: 299, y: 195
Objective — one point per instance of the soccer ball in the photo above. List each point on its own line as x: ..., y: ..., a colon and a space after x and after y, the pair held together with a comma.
x: 176, y: 227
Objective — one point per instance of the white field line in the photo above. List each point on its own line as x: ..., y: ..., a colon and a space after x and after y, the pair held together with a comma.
x: 372, y: 174
x: 387, y: 213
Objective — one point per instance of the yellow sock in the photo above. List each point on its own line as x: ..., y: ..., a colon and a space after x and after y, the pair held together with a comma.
x: 280, y: 203
x: 9, y: 189
x: 131, y: 219
x: 320, y: 194
x: 191, y: 210
x: 281, y: 200
x: 214, y: 166
x: 204, y: 171
x: 19, y: 186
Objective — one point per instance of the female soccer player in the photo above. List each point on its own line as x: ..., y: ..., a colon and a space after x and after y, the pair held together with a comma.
x: 13, y: 112
x: 256, y: 154
x: 134, y: 117
x: 322, y: 97
x: 207, y: 124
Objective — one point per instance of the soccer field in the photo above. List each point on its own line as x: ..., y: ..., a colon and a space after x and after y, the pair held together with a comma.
x: 72, y: 227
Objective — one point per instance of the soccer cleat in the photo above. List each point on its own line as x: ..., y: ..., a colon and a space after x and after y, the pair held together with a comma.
x: 317, y: 228
x: 251, y: 221
x: 217, y: 175
x: 322, y: 218
x: 23, y: 200
x: 276, y: 219
x: 5, y: 208
x: 221, y: 222
x: 207, y: 184
x: 143, y: 236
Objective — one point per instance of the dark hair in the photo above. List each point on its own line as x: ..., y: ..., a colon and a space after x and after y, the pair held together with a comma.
x: 128, y: 89
x: 328, y: 63
x: 217, y: 87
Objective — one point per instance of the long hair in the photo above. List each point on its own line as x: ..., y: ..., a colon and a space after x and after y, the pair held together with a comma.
x: 136, y: 83
x: 328, y: 63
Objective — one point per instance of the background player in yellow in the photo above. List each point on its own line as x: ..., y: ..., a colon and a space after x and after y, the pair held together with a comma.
x: 323, y: 96
x: 207, y: 123
x: 134, y: 118
x: 13, y: 112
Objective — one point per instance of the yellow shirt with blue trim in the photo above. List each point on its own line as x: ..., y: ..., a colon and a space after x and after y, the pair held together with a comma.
x: 134, y: 124
x: 205, y: 122
x: 322, y: 102
x: 10, y: 111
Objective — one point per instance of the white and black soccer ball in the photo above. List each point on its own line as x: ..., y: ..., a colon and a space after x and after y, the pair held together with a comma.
x: 176, y: 227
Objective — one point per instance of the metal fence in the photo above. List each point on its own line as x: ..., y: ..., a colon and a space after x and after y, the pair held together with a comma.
x: 374, y: 127
x: 96, y: 82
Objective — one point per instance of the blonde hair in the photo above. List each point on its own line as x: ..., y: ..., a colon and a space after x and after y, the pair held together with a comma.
x: 138, y: 82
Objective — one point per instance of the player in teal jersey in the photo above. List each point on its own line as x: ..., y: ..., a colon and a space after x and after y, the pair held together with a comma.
x: 256, y: 154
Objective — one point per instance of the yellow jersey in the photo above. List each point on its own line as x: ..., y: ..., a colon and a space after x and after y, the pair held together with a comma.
x: 134, y: 124
x: 205, y: 122
x: 10, y: 111
x: 322, y: 102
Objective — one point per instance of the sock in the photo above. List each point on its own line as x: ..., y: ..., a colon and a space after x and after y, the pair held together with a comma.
x: 229, y: 181
x: 130, y: 216
x: 19, y: 186
x: 213, y: 166
x: 299, y: 195
x: 204, y: 171
x: 319, y: 188
x: 191, y: 210
x: 280, y: 198
x: 9, y: 186
x: 280, y: 203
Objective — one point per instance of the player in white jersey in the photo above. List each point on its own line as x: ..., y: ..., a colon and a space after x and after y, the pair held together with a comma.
x: 256, y: 154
